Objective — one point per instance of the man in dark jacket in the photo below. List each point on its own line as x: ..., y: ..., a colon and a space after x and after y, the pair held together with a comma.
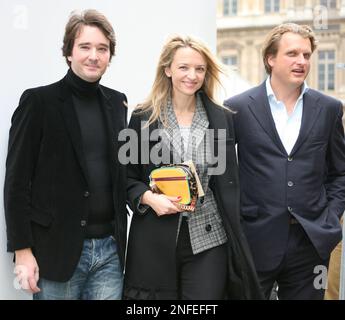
x: 64, y: 197
x: 292, y: 168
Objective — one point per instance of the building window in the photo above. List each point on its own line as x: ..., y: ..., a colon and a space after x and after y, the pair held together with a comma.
x: 230, y: 61
x: 326, y: 70
x: 332, y: 4
x: 299, y: 3
x: 272, y: 6
x: 229, y: 7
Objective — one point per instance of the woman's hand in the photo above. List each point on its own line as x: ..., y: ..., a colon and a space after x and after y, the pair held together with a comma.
x: 161, y: 203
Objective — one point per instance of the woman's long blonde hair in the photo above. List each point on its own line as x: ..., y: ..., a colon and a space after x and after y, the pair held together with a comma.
x: 162, y: 86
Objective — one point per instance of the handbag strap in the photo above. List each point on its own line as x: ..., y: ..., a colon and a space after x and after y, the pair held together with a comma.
x: 170, y: 179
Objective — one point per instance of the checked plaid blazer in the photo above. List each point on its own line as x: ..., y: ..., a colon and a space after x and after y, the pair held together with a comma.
x: 205, y: 225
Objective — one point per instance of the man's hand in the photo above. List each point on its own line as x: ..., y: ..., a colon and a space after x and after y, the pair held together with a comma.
x: 26, y: 270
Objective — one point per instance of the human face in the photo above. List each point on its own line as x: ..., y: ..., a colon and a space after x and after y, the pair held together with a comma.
x: 290, y: 66
x: 187, y: 71
x: 90, y: 54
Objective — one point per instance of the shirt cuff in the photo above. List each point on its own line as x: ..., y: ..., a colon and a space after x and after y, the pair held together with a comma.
x: 142, y: 208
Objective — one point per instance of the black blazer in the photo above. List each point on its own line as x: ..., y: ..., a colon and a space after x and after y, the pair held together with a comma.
x: 46, y: 186
x: 308, y: 184
x: 151, y: 265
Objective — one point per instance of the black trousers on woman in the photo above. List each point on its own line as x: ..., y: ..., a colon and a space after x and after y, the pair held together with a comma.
x: 201, y: 276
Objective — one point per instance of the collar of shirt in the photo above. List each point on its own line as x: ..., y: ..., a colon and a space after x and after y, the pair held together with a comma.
x: 271, y: 95
x: 288, y: 126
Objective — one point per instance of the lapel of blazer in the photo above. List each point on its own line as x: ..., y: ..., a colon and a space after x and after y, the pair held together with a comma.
x: 215, y: 114
x: 260, y: 108
x: 112, y: 128
x: 217, y: 120
x: 72, y: 125
x: 198, y: 129
x: 110, y: 119
x: 311, y: 109
x: 171, y: 134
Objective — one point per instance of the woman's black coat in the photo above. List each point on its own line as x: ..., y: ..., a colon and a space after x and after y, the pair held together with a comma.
x: 151, y: 265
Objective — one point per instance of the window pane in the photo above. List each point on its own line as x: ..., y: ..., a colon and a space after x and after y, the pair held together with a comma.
x: 267, y: 5
x: 230, y: 60
x: 331, y: 68
x: 329, y: 3
x: 332, y: 3
x: 321, y: 77
x: 331, y: 76
x: 234, y: 7
x: 276, y: 5
x: 330, y: 54
x: 225, y: 7
x: 326, y: 70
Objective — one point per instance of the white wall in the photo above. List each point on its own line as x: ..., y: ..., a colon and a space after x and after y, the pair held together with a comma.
x: 30, y: 55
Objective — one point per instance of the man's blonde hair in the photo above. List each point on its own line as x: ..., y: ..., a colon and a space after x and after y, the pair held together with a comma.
x: 271, y: 44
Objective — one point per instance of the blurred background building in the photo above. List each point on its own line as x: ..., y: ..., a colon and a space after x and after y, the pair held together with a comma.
x: 242, y: 26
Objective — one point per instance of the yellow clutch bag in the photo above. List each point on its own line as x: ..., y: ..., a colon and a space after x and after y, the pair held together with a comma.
x: 176, y: 181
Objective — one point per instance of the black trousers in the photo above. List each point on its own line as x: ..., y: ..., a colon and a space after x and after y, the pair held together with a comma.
x: 201, y: 276
x: 296, y: 275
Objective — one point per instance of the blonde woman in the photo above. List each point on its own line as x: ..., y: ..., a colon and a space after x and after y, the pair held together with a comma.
x: 174, y: 254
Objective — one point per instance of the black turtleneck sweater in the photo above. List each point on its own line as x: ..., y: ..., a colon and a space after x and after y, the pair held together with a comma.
x: 95, y: 142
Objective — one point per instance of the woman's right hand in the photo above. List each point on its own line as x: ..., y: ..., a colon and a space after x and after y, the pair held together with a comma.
x: 161, y: 203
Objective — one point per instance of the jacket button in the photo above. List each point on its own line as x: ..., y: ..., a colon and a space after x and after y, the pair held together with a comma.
x: 208, y: 227
x: 289, y: 158
x: 289, y: 209
x: 83, y: 223
x: 290, y: 183
x: 86, y: 194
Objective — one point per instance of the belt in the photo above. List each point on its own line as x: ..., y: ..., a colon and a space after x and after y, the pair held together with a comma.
x: 293, y: 221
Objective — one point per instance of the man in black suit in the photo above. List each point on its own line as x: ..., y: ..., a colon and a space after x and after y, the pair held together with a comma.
x: 64, y: 187
x: 292, y: 168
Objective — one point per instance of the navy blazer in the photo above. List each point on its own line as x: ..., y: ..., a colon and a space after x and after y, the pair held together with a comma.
x: 308, y: 183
